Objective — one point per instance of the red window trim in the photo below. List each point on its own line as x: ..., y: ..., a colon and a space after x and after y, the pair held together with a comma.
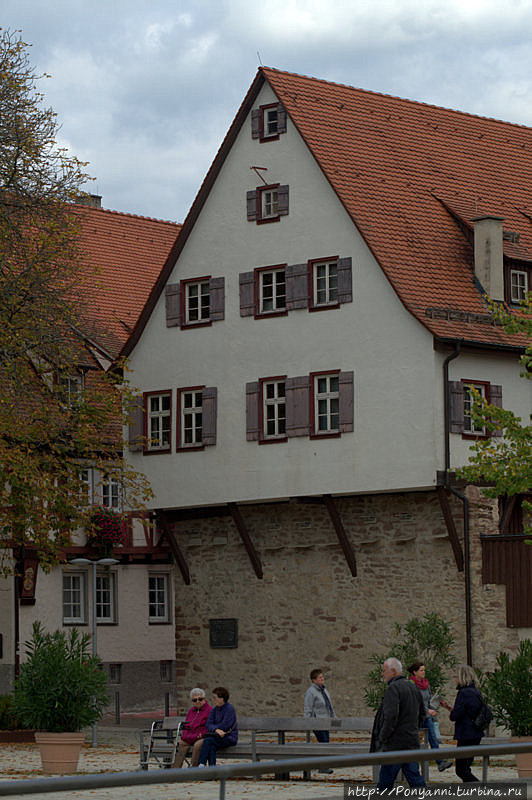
x: 262, y: 439
x: 508, y: 269
x: 260, y: 189
x: 156, y: 451
x: 194, y: 448
x: 487, y: 395
x: 262, y: 136
x: 311, y: 299
x: 312, y: 417
x: 256, y: 293
x: 182, y: 301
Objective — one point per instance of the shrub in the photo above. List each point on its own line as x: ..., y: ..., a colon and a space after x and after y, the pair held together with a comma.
x: 8, y: 718
x: 509, y: 690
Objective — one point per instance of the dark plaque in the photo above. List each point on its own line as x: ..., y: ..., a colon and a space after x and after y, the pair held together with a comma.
x: 223, y: 632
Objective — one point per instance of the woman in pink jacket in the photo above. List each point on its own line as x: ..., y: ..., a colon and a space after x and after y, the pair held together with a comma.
x: 193, y: 729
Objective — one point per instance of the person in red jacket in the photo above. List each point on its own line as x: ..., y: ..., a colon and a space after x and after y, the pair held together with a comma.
x: 194, y: 729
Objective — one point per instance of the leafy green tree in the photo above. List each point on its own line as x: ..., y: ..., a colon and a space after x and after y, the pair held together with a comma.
x: 59, y: 412
x: 509, y: 690
x: 428, y: 640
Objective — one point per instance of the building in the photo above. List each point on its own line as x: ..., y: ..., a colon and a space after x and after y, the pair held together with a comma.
x: 134, y: 597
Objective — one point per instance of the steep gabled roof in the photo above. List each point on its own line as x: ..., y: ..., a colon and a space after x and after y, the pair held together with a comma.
x: 412, y: 177
x: 127, y: 253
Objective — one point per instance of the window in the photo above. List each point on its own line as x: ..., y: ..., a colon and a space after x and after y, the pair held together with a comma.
x: 195, y: 302
x: 326, y: 404
x: 86, y: 477
x: 70, y: 388
x: 268, y: 122
x: 196, y: 297
x: 270, y: 291
x: 111, y: 493
x: 158, y: 421
x: 461, y: 402
x: 115, y: 673
x: 158, y: 605
x: 324, y: 276
x: 267, y: 203
x: 196, y: 423
x: 165, y: 668
x: 105, y: 597
x: 518, y: 285
x: 273, y: 407
x: 74, y: 598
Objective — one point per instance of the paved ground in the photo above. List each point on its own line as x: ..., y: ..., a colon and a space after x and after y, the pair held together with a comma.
x: 118, y: 751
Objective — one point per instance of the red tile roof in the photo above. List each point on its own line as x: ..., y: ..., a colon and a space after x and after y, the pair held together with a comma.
x: 128, y: 252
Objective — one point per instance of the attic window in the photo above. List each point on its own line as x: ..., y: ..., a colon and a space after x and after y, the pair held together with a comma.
x: 518, y: 285
x: 511, y: 236
x: 268, y: 122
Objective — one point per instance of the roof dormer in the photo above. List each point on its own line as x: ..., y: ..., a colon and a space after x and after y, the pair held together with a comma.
x: 489, y: 255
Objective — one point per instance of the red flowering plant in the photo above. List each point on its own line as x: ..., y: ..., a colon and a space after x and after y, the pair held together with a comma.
x: 107, y: 529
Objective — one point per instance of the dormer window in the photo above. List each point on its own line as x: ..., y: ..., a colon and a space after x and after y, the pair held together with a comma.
x: 268, y: 122
x: 518, y: 285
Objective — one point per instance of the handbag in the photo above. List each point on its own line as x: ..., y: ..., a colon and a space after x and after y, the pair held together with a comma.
x: 484, y: 717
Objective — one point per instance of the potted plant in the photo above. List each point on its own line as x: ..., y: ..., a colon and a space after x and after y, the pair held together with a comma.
x: 509, y: 692
x: 61, y: 689
x: 106, y: 529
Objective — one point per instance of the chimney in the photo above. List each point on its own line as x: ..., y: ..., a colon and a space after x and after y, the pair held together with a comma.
x: 91, y: 200
x: 488, y: 255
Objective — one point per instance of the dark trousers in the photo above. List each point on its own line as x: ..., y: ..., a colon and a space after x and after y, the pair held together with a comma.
x: 211, y: 744
x: 463, y: 765
x: 389, y: 772
x: 321, y: 736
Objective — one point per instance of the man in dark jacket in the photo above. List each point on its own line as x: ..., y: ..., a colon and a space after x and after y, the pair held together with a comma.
x: 397, y: 723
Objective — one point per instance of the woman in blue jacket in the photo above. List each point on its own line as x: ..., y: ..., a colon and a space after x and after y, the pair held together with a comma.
x: 222, y: 729
x: 466, y: 707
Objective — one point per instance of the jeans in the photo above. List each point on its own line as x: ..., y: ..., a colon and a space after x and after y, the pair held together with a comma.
x: 433, y: 741
x: 321, y: 736
x: 209, y: 748
x: 463, y: 765
x: 389, y: 772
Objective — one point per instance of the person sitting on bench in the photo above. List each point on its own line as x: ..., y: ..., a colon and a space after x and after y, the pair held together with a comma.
x: 194, y: 729
x: 222, y: 729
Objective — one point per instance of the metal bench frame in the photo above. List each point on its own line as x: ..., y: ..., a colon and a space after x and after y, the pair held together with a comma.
x: 162, y: 745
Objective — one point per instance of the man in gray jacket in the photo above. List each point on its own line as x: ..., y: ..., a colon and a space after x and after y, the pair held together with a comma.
x: 397, y: 723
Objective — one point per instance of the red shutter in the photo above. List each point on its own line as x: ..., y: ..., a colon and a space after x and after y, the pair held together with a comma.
x: 173, y: 307
x: 255, y: 123
x: 208, y: 415
x: 217, y: 298
x: 346, y: 401
x: 136, y: 423
x: 456, y: 407
x: 251, y: 198
x: 496, y: 400
x: 252, y: 411
x: 247, y: 294
x: 296, y: 286
x: 345, y: 280
x: 281, y: 119
x: 297, y: 406
x: 282, y: 200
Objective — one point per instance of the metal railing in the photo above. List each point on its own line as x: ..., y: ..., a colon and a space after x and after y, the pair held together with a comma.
x: 224, y: 773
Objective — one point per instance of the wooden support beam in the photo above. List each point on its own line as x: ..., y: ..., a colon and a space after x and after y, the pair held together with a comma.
x: 508, y: 511
x: 451, y: 527
x: 177, y: 553
x: 345, y: 544
x: 246, y: 539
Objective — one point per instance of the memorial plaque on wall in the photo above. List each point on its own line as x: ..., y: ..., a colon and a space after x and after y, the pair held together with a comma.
x: 223, y: 632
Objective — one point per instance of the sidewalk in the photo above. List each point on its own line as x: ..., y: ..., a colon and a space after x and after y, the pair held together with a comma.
x: 118, y: 751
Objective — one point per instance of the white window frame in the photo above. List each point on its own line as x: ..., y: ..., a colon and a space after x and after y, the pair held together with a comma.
x: 111, y: 493
x: 191, y: 417
x: 86, y: 476
x: 71, y: 387
x: 468, y: 427
x: 159, y: 597
x: 163, y: 418
x: 269, y: 199
x: 277, y: 300
x: 325, y: 284
x: 326, y: 403
x: 197, y: 306
x: 80, y: 604
x: 105, y: 597
x: 267, y: 122
x: 518, y: 285
x: 274, y: 409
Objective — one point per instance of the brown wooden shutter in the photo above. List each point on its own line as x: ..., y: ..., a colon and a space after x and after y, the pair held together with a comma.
x: 208, y: 415
x: 136, y: 423
x: 456, y: 407
x: 297, y: 406
x: 252, y: 411
x: 173, y: 306
x: 247, y: 293
x: 282, y: 200
x: 281, y: 119
x: 345, y: 280
x: 217, y: 298
x: 496, y: 400
x: 346, y: 401
x: 296, y: 276
x: 251, y: 199
x: 255, y: 123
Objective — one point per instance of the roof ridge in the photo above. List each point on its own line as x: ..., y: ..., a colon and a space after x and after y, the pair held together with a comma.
x: 396, y: 97
x: 100, y: 210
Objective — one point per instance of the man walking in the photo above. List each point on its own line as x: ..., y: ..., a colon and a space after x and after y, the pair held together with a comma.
x: 397, y: 723
x: 318, y: 703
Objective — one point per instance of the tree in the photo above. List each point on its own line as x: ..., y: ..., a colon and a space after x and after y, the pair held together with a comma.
x: 58, y: 410
x: 505, y: 462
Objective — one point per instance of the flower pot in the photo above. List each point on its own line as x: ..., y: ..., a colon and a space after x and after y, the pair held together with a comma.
x: 59, y: 751
x: 523, y: 761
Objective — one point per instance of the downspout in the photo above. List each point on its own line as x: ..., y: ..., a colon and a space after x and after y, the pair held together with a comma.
x: 462, y: 497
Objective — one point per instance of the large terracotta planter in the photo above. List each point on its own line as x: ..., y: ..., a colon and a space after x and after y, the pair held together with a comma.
x: 59, y: 751
x: 523, y: 761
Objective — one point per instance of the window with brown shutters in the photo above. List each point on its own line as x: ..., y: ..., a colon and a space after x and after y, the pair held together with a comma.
x: 267, y: 203
x: 196, y: 417
x: 330, y: 282
x: 461, y: 402
x: 157, y: 422
x: 268, y: 122
x: 195, y: 302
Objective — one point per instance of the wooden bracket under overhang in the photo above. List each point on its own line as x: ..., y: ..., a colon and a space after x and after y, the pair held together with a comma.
x: 451, y: 527
x: 246, y: 539
x: 338, y: 525
x: 169, y: 535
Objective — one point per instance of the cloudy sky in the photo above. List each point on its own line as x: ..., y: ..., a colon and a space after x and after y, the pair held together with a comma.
x: 145, y: 91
